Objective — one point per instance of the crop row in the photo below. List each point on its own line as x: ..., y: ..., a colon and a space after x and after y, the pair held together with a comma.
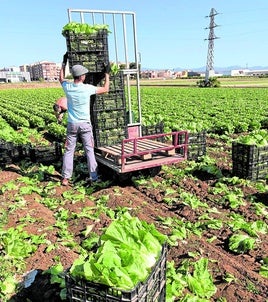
x: 219, y: 110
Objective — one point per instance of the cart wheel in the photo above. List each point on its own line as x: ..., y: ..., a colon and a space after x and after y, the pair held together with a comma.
x: 123, y: 178
x: 151, y: 172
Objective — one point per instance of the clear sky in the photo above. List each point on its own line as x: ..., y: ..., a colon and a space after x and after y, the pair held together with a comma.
x: 170, y: 33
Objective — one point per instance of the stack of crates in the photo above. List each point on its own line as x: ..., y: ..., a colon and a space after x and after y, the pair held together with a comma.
x: 91, y: 51
x: 108, y: 111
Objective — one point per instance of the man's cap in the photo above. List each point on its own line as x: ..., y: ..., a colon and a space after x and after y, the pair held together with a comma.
x: 78, y: 70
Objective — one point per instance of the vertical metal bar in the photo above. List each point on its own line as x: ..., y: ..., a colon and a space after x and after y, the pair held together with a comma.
x: 82, y: 17
x: 69, y: 15
x: 103, y: 18
x: 125, y: 40
x: 127, y: 67
x: 137, y: 63
x: 93, y: 18
x: 129, y: 100
x: 115, y: 40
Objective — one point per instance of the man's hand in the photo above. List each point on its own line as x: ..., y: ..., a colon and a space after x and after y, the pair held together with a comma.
x: 106, y: 67
x: 65, y: 58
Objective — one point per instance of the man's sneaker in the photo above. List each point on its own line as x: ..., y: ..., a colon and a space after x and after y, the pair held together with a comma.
x: 65, y: 182
x: 96, y: 181
x: 90, y: 182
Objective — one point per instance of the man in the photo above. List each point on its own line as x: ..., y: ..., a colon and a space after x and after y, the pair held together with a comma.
x: 60, y: 107
x: 79, y: 122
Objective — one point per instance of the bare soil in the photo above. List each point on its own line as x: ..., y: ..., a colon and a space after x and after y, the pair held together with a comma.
x: 148, y: 204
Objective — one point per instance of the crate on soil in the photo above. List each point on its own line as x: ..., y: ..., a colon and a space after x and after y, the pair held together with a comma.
x: 249, y: 161
x: 5, y: 155
x: 153, y: 129
x: 196, y: 145
x: 46, y: 154
x: 152, y: 290
x: 10, y: 153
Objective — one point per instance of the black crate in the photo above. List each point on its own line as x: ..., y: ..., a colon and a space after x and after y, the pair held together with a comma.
x: 91, y: 51
x: 152, y: 129
x: 5, y: 158
x: 109, y: 137
x: 152, y: 290
x: 20, y: 152
x: 249, y: 161
x: 5, y: 146
x: 195, y: 151
x: 110, y: 101
x: 94, y: 78
x: 87, y: 43
x: 94, y: 62
x: 196, y: 145
x: 46, y: 154
x: 116, y: 81
x: 10, y: 152
x: 113, y: 118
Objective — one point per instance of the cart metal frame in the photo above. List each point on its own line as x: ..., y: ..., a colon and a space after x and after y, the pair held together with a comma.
x: 136, y: 152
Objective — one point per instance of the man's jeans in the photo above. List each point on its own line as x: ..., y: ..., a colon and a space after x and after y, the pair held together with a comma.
x: 85, y: 131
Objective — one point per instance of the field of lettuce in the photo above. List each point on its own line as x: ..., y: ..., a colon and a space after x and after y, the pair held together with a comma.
x: 215, y: 223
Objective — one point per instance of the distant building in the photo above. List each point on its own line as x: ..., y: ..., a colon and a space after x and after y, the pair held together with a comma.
x: 44, y: 70
x: 14, y: 75
x: 247, y: 72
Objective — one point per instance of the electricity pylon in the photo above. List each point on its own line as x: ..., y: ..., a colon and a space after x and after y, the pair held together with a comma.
x: 211, y: 38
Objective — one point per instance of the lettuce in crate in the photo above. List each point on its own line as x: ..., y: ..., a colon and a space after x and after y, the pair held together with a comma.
x: 258, y: 138
x: 128, y: 250
x: 83, y: 28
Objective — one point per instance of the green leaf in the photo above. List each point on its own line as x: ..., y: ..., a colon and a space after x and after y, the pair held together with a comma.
x: 241, y: 243
x: 201, y: 283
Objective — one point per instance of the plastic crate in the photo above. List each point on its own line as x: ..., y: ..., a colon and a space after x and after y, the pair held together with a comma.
x: 106, y: 137
x: 116, y: 82
x: 249, y: 161
x: 196, y: 145
x: 94, y: 62
x: 87, y: 43
x: 91, y: 51
x: 113, y: 118
x: 152, y: 290
x: 94, y: 78
x: 5, y: 157
x: 110, y: 101
x: 46, y: 154
x: 10, y: 152
x: 20, y: 152
x: 153, y: 129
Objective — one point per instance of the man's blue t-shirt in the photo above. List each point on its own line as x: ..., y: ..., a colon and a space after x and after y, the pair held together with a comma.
x: 78, y: 101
